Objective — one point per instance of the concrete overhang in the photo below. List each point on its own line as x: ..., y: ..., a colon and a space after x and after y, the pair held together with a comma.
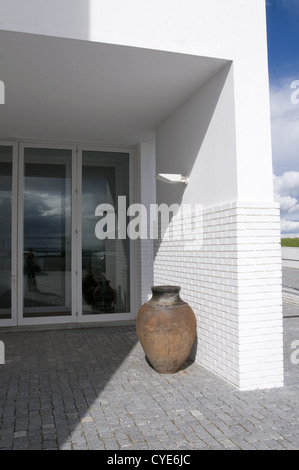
x: 81, y: 91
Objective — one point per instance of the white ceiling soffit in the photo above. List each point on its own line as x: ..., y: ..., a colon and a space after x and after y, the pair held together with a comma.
x: 65, y: 89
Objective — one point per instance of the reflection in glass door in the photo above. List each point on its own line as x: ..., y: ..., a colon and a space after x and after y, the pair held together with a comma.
x: 105, y: 263
x: 53, y: 266
x: 47, y: 229
x: 7, y: 276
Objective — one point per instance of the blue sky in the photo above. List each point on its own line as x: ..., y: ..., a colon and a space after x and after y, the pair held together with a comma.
x: 283, y: 57
x: 283, y: 37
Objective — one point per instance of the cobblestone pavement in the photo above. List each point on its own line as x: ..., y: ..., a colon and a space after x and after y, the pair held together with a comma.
x: 91, y: 388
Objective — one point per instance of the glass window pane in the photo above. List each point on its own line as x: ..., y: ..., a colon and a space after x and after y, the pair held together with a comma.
x: 5, y: 232
x: 105, y: 263
x: 47, y: 232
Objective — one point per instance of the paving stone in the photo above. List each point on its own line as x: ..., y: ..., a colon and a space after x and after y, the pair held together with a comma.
x: 91, y: 388
x: 20, y: 434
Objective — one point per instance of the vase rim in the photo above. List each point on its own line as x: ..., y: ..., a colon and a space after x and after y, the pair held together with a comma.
x: 166, y: 289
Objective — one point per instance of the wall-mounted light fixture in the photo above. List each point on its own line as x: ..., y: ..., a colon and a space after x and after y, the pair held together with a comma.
x: 172, y: 178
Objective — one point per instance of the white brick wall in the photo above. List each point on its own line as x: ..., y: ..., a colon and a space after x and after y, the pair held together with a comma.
x: 232, y: 280
x: 146, y: 271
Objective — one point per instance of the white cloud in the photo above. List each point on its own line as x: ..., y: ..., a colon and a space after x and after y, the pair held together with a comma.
x: 289, y: 226
x: 47, y: 204
x: 285, y: 127
x: 286, y: 191
x: 287, y: 203
x: 287, y: 184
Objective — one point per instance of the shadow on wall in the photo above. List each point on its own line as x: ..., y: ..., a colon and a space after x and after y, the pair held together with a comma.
x: 45, y: 17
x: 198, y: 141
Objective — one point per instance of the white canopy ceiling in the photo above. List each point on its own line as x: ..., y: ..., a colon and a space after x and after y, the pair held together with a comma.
x: 71, y: 90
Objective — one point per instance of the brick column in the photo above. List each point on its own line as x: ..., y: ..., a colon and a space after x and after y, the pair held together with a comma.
x: 232, y: 280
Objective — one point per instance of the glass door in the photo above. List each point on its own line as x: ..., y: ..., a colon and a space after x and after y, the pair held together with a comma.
x: 45, y: 240
x: 64, y: 250
x: 8, y: 272
x: 105, y: 260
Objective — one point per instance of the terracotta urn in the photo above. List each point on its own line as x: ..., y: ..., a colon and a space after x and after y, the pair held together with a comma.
x: 166, y: 328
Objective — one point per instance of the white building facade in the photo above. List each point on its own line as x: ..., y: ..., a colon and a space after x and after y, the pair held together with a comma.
x: 100, y: 97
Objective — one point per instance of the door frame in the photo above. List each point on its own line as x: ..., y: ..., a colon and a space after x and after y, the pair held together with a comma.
x: 47, y: 320
x: 76, y: 316
x: 12, y: 321
x: 133, y: 196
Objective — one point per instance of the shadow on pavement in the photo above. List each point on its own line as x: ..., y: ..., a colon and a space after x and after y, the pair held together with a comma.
x: 52, y: 379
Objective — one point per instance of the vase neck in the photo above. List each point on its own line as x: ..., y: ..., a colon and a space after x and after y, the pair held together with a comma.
x: 166, y: 295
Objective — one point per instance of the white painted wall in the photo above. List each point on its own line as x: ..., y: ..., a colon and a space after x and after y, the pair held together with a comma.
x: 208, y: 28
x: 230, y: 29
x: 221, y: 138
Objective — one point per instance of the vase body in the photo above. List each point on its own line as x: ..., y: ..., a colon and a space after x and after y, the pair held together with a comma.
x: 166, y: 328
